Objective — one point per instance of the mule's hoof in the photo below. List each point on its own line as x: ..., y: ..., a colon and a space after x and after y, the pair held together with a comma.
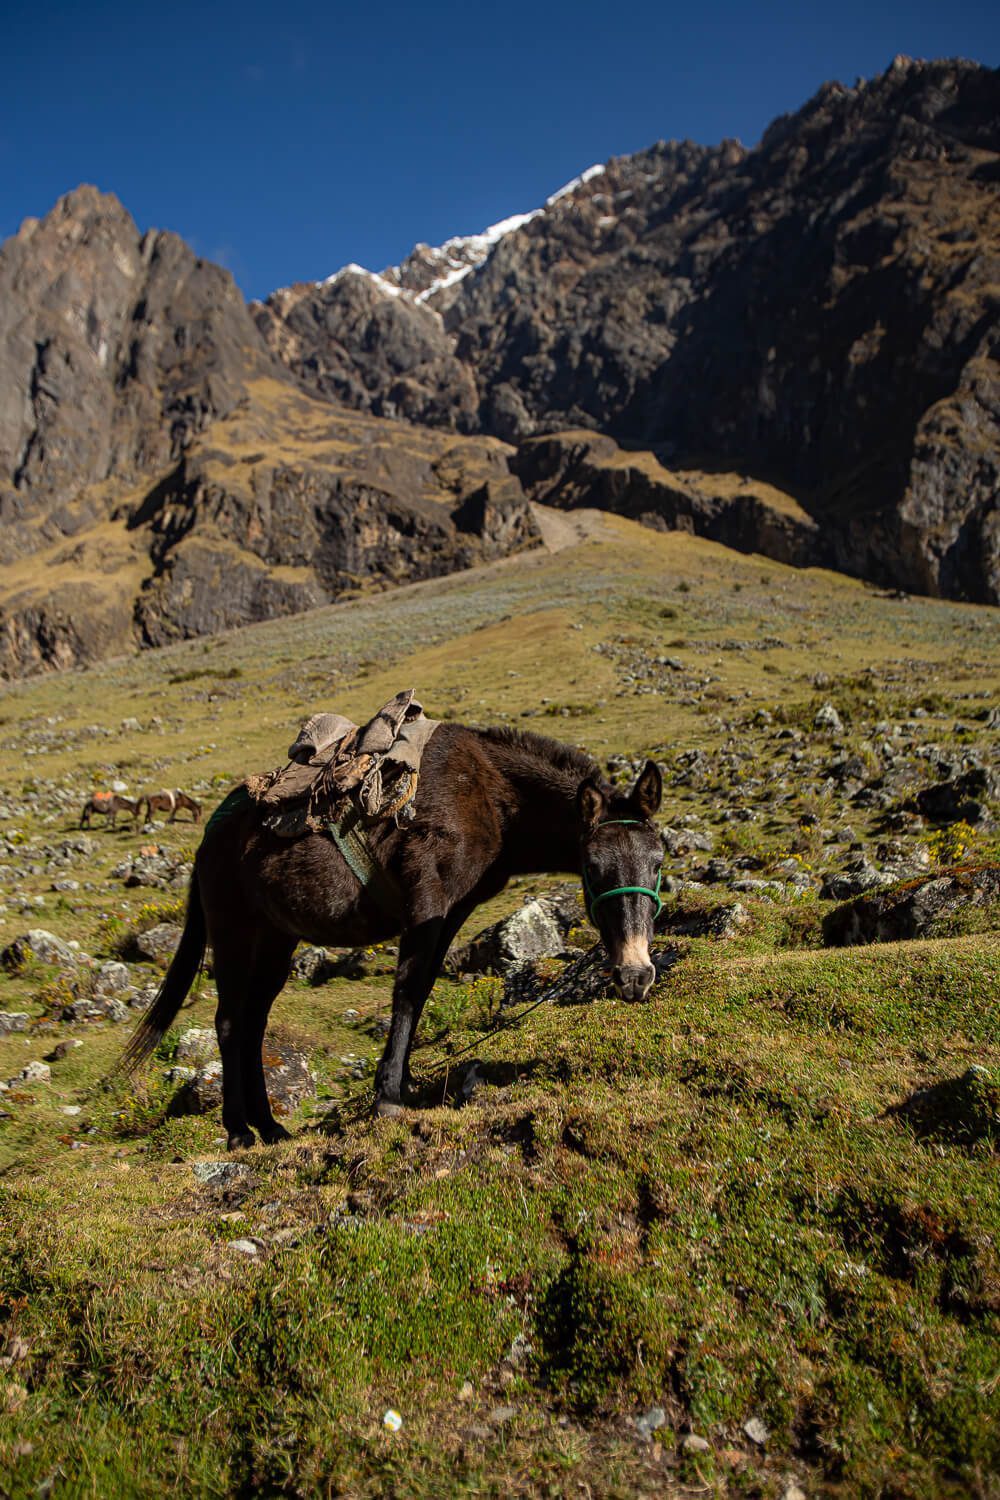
x: 386, y: 1109
x: 273, y: 1133
x: 239, y: 1140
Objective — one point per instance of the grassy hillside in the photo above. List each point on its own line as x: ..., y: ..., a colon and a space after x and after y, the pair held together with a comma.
x: 710, y: 1244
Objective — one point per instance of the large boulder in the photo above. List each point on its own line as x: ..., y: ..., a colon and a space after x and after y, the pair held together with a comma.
x: 531, y: 933
x: 917, y: 908
x: 41, y: 945
x: 286, y: 1068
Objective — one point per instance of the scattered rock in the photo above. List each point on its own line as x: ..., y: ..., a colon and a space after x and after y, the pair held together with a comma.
x: 651, y: 1421
x: 112, y: 979
x: 63, y: 1049
x: 13, y: 1020
x: 756, y: 1431
x: 717, y: 921
x: 34, y: 1072
x: 157, y: 944
x: 692, y: 1443
x: 37, y: 943
x: 311, y: 964
x: 286, y: 1069
x: 680, y: 841
x: 958, y: 799
x: 828, y: 720
x: 251, y: 1248
x: 857, y: 876
x: 154, y: 867
x: 220, y: 1174
x: 198, y: 1045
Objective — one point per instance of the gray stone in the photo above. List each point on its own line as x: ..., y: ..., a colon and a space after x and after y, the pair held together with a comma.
x: 528, y: 934
x: 692, y: 1443
x: 35, y: 1072
x: 859, y: 875
x: 828, y: 720
x: 756, y: 1431
x: 13, y: 1020
x: 40, y: 944
x: 158, y: 943
x: 220, y: 1174
x: 651, y: 1421
x: 112, y: 979
x: 199, y: 1044
x: 180, y: 1074
x: 678, y: 841
x: 311, y: 964
x: 911, y: 910
x: 286, y: 1070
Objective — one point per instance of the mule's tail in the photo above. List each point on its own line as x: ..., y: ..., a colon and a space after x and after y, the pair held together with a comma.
x: 173, y: 991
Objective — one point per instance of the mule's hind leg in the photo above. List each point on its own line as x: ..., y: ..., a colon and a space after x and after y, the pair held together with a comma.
x: 232, y: 980
x: 272, y: 962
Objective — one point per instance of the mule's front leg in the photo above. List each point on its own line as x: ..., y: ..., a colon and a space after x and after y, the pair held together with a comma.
x: 416, y: 972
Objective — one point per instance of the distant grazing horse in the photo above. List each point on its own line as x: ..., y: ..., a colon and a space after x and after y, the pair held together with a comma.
x: 172, y: 802
x: 491, y: 803
x: 109, y: 805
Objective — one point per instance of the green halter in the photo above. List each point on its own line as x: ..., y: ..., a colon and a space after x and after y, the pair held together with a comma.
x: 593, y: 902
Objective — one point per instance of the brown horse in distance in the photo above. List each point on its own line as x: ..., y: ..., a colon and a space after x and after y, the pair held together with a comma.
x: 172, y: 803
x: 109, y: 805
x: 491, y: 804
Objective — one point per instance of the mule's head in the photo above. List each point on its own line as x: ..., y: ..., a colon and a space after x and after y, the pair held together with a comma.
x: 621, y: 853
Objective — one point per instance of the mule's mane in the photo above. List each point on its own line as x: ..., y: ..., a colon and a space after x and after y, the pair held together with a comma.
x: 554, y: 755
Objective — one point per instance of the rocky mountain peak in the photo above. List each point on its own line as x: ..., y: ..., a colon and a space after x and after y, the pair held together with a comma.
x: 818, y: 310
x: 115, y: 347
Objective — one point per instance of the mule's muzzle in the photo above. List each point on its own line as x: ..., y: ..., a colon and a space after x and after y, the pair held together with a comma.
x: 633, y: 981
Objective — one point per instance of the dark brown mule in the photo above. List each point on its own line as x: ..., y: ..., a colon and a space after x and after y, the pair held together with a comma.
x: 109, y: 805
x: 491, y: 804
x: 172, y: 803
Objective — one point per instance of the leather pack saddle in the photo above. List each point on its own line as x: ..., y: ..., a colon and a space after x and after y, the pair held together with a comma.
x: 337, y: 771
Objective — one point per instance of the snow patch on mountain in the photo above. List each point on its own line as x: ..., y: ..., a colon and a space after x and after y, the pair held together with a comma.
x: 430, y: 270
x: 575, y: 182
x: 353, y: 269
x: 465, y: 252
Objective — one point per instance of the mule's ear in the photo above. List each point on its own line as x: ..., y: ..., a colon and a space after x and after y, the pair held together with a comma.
x: 647, y: 794
x: 591, y: 802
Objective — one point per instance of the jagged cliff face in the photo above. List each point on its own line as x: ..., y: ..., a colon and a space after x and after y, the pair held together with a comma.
x: 115, y: 351
x: 161, y: 475
x: 821, y: 311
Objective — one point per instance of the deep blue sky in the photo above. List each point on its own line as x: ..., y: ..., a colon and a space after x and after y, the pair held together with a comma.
x: 285, y: 140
